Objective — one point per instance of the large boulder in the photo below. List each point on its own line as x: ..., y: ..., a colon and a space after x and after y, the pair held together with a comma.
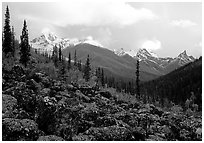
x: 82, y: 96
x: 16, y: 129
x: 81, y: 137
x: 105, y: 94
x: 50, y: 138
x: 111, y: 133
x: 9, y: 103
x: 104, y: 121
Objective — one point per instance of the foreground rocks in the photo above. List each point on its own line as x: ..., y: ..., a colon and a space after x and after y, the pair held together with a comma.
x: 35, y: 107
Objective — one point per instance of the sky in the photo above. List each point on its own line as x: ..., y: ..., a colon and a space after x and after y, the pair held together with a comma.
x: 166, y: 29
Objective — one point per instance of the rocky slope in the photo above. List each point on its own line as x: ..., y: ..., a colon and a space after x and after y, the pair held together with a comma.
x: 36, y: 107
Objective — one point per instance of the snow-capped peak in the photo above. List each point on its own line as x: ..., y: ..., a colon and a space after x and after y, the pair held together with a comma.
x: 184, y: 57
x: 119, y: 52
x: 145, y: 53
x: 91, y: 41
x: 48, y: 35
x: 122, y: 52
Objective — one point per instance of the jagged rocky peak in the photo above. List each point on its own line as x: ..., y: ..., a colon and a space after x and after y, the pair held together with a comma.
x: 184, y: 56
x: 144, y: 53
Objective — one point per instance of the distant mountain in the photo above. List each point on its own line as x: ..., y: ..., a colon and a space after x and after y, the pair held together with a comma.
x: 117, y: 62
x: 161, y: 66
x: 150, y: 62
x: 113, y: 64
x: 178, y: 85
x: 48, y: 39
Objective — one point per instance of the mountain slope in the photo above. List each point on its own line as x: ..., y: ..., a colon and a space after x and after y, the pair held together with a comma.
x: 118, y: 62
x: 101, y: 57
x: 178, y: 85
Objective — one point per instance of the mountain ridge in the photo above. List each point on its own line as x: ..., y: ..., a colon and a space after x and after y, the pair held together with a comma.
x: 150, y: 63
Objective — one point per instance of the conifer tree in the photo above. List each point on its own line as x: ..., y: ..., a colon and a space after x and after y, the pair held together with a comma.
x: 60, y: 53
x: 75, y: 59
x: 13, y: 42
x: 137, y: 80
x: 87, y: 69
x: 69, y: 61
x: 102, y: 78
x: 55, y: 56
x: 24, y: 46
x: 79, y: 65
x: 7, y: 38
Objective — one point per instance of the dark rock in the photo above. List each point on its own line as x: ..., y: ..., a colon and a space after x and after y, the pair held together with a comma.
x: 82, y: 96
x: 32, y: 84
x: 155, y: 138
x: 45, y: 92
x: 81, y: 137
x: 50, y: 138
x: 104, y: 122
x: 105, y: 94
x: 83, y: 125
x: 185, y: 135
x: 15, y: 129
x: 111, y: 133
x: 9, y: 103
x: 46, y: 114
x: 70, y: 87
x: 90, y: 112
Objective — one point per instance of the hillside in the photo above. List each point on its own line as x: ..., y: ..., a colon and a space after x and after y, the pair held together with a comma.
x: 178, y: 85
x: 36, y: 107
x: 101, y: 57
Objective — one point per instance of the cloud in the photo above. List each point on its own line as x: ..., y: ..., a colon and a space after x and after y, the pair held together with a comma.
x: 91, y: 13
x: 183, y: 23
x: 151, y: 45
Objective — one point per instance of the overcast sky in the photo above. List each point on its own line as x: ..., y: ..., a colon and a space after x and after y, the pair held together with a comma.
x: 167, y: 29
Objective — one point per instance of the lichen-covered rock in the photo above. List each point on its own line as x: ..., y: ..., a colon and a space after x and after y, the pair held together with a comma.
x: 81, y: 137
x: 50, y: 138
x: 9, y: 103
x: 111, y: 133
x: 105, y: 94
x: 45, y: 92
x: 185, y: 135
x: 15, y: 129
x: 104, y: 121
x: 82, y: 96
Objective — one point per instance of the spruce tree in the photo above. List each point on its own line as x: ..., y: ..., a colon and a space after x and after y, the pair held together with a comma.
x: 13, y: 42
x: 24, y: 46
x: 79, y: 65
x: 137, y: 79
x: 7, y: 38
x: 102, y: 78
x: 60, y: 53
x: 75, y: 59
x: 87, y: 70
x: 69, y: 61
x: 55, y: 56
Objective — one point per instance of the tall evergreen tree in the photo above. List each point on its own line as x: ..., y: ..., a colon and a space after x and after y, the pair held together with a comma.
x: 79, y: 65
x: 102, y: 78
x: 7, y: 38
x: 137, y: 79
x: 60, y: 53
x: 13, y: 42
x: 75, y: 58
x: 55, y: 55
x: 24, y: 46
x: 69, y: 61
x: 87, y: 69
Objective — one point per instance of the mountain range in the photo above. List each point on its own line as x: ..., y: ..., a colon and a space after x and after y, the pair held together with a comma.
x: 115, y: 62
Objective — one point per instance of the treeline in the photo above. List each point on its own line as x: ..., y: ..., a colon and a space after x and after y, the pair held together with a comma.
x: 66, y: 67
x: 13, y: 51
x: 178, y: 86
